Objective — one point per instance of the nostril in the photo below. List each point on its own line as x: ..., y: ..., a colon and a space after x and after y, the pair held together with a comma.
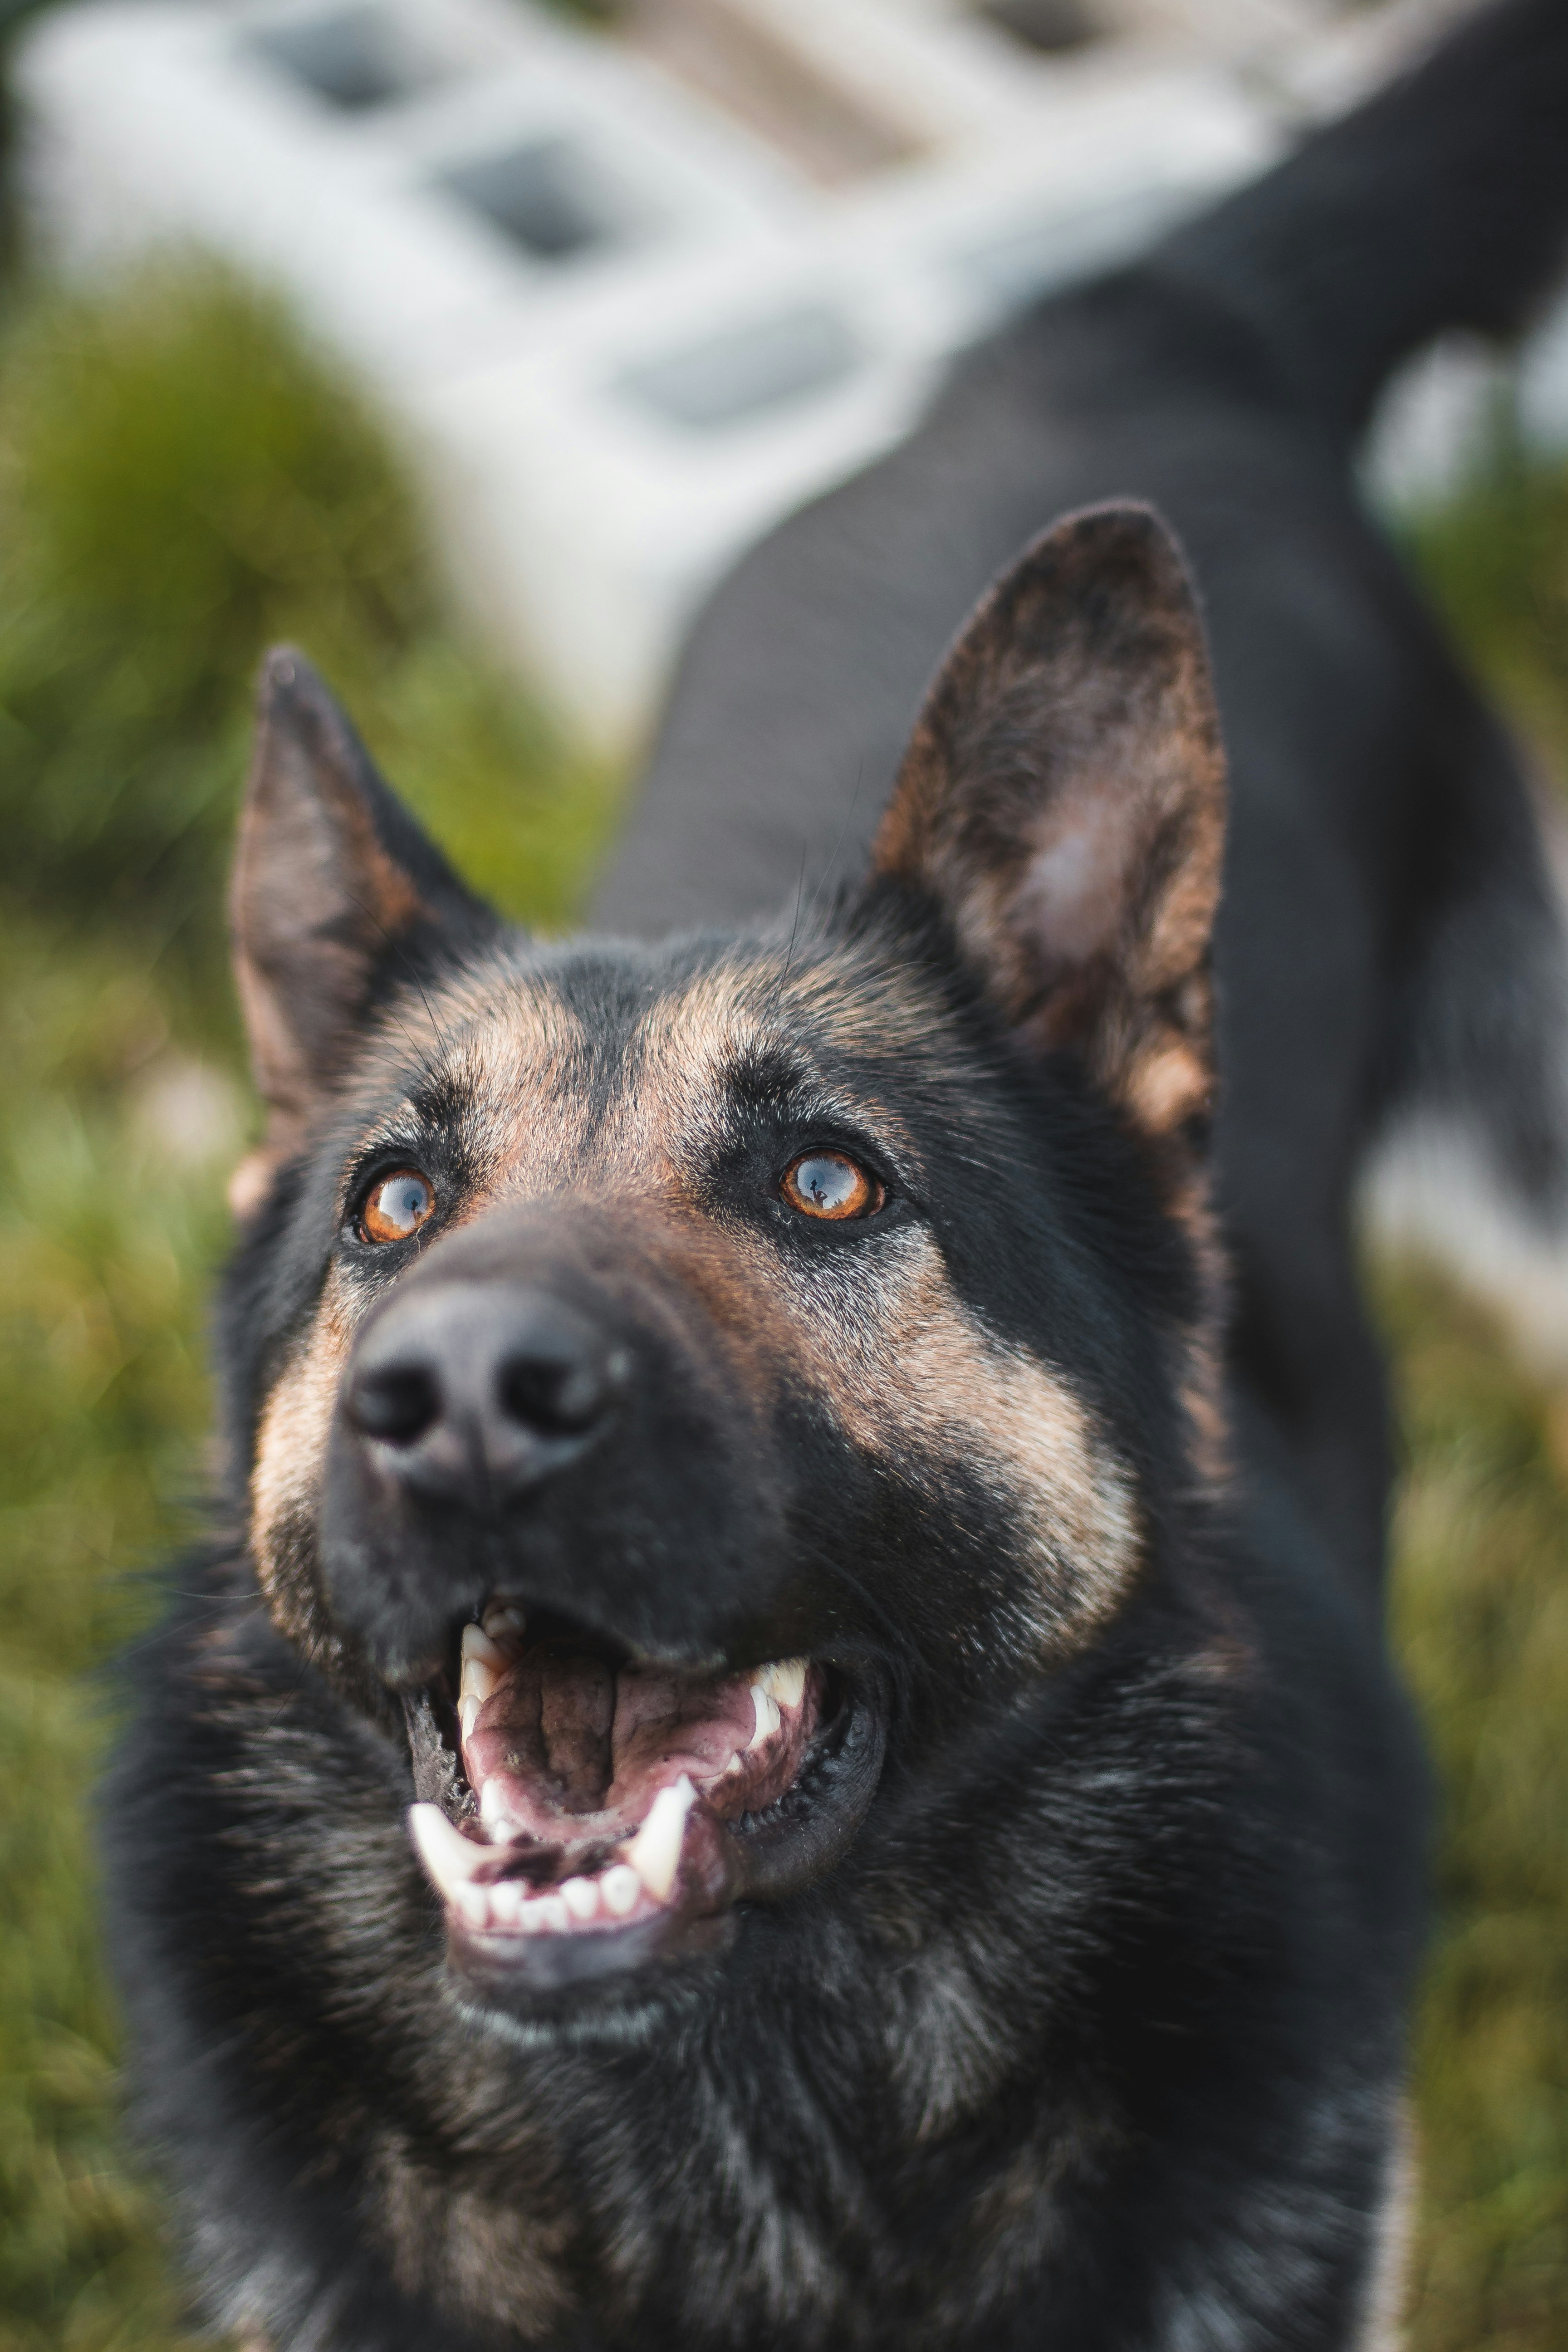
x: 557, y: 1399
x: 558, y: 1396
x: 396, y: 1403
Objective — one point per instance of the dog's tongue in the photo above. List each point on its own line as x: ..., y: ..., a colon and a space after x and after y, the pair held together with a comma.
x: 606, y: 1794
x: 567, y: 1747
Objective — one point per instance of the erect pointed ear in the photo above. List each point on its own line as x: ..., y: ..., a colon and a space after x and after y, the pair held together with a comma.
x: 1063, y: 797
x: 332, y: 879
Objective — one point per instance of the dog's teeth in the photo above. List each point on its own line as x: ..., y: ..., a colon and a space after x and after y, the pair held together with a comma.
x: 548, y: 1915
x: 580, y: 1897
x: 786, y: 1681
x: 655, y: 1852
x: 783, y: 1679
x: 482, y: 1668
x: 737, y: 1764
x: 767, y: 1716
x: 477, y: 1683
x: 619, y: 1889
x: 494, y: 1812
x: 504, y: 1617
x: 507, y: 1900
x: 477, y: 1645
x: 474, y: 1903
x: 450, y: 1857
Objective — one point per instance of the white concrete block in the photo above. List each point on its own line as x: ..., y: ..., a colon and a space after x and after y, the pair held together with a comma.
x: 618, y: 332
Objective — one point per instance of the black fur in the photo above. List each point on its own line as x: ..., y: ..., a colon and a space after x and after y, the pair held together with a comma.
x: 1094, y: 2039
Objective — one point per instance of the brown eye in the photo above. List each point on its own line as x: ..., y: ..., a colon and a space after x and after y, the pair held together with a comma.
x: 831, y: 1184
x: 398, y: 1205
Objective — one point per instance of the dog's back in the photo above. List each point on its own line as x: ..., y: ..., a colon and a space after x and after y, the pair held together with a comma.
x: 1387, y: 938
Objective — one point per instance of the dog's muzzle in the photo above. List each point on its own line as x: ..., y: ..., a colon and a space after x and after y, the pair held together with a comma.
x: 551, y: 1523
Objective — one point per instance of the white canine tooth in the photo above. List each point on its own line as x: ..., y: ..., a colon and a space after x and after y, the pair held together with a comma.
x: 619, y: 1889
x: 507, y: 1901
x: 580, y: 1897
x: 450, y: 1858
x: 483, y: 1666
x: 480, y: 1650
x: 550, y: 1916
x: 477, y: 1681
x: 655, y: 1852
x: 493, y: 1810
x: 737, y: 1764
x: 767, y: 1716
x: 786, y: 1681
x: 504, y: 1617
x: 783, y: 1679
x: 474, y: 1903
x: 478, y: 1678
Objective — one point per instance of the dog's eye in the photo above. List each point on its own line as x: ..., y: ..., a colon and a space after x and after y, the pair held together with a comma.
x: 830, y: 1185
x: 397, y: 1206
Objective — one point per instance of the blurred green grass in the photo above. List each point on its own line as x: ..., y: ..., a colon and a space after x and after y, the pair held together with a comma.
x: 182, y: 481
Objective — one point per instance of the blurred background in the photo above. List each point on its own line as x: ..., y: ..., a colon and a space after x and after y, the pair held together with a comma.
x: 465, y: 341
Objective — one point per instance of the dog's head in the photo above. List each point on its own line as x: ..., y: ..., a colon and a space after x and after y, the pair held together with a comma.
x: 685, y: 1391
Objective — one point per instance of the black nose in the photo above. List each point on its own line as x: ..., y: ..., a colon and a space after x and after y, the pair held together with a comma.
x: 477, y: 1390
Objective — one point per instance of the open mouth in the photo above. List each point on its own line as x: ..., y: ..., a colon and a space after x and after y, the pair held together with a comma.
x: 583, y: 1812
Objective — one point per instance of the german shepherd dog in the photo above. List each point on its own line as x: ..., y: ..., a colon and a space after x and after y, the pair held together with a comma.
x: 792, y: 1744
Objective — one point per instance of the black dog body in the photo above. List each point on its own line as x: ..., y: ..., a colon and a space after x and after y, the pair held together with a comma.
x: 835, y: 1298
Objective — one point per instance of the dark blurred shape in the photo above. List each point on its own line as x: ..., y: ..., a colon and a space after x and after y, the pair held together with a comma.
x: 1048, y: 25
x: 545, y: 197
x: 727, y: 377
x: 353, y: 59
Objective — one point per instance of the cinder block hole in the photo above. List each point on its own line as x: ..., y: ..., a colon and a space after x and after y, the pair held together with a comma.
x: 355, y: 60
x: 746, y: 373
x: 1046, y: 24
x: 545, y: 197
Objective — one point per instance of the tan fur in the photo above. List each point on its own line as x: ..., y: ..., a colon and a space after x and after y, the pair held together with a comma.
x: 479, y: 2249
x: 286, y: 1479
x: 1201, y: 1389
x: 910, y: 1373
x: 907, y: 1370
x: 891, y: 1349
x: 904, y: 1365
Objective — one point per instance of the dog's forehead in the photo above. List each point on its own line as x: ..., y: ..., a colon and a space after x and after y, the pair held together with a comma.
x: 630, y: 1062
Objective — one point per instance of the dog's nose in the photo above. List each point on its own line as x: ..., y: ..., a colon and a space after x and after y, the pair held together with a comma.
x: 476, y: 1391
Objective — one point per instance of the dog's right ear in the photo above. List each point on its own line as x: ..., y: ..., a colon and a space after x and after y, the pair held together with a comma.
x: 1063, y: 801
x: 334, y: 883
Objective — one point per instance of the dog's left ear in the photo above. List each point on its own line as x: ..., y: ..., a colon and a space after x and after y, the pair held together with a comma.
x: 335, y: 892
x: 1063, y: 798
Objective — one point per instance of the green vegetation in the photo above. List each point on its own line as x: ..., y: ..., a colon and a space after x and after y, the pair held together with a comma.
x: 1496, y: 560
x: 1481, y: 1608
x: 180, y: 482
x: 1481, y: 1619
